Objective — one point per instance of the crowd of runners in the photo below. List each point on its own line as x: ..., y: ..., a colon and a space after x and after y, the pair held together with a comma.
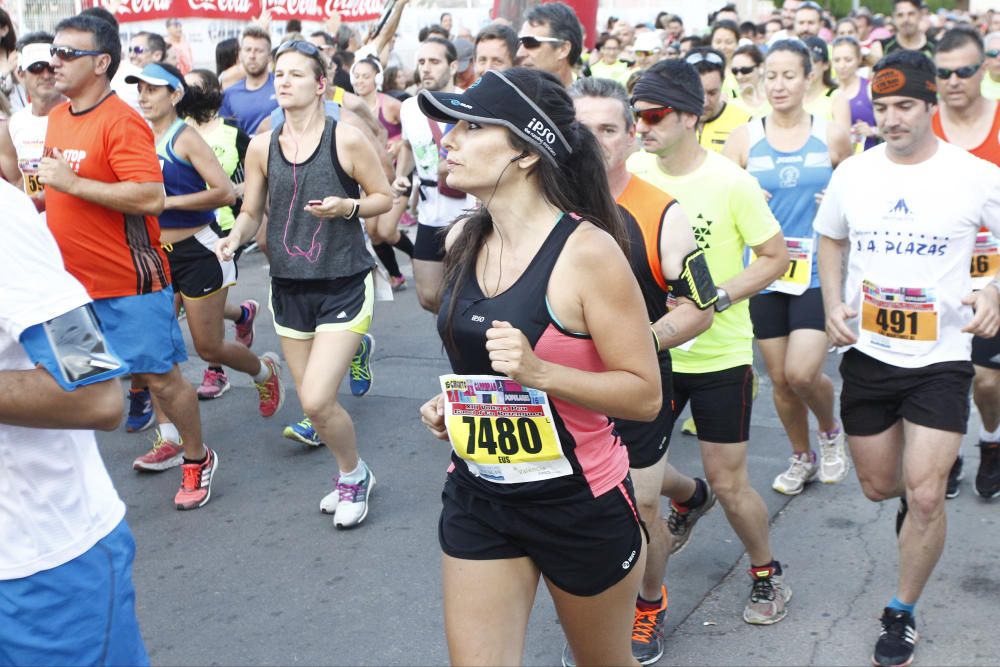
x: 817, y: 185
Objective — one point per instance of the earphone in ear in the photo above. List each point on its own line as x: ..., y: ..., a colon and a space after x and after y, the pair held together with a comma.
x: 518, y: 157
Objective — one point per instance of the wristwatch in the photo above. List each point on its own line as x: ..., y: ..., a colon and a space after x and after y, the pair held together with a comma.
x: 723, y: 301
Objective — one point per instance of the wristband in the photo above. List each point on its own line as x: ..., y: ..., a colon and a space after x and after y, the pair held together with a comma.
x: 656, y: 339
x: 354, y: 210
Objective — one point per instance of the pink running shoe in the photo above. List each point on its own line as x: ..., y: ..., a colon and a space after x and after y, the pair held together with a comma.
x: 213, y: 385
x: 165, y: 454
x: 244, y: 331
x: 271, y: 390
x: 398, y: 283
x: 407, y: 220
x: 196, y: 482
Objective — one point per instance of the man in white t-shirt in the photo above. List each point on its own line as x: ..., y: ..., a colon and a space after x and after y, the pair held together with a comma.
x: 906, y: 215
x: 421, y: 149
x: 26, y: 128
x: 66, y: 594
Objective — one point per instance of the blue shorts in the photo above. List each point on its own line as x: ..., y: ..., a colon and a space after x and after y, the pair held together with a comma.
x: 143, y: 330
x: 80, y: 613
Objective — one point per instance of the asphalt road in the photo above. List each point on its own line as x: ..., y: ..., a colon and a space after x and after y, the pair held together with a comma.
x: 260, y: 577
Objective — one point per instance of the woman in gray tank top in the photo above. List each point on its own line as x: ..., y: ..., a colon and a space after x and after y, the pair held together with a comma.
x: 314, y: 171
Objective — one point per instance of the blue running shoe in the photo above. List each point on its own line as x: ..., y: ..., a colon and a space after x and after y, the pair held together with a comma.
x: 303, y: 432
x: 361, y: 366
x: 140, y: 411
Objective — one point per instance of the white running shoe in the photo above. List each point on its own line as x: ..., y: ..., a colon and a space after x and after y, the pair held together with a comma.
x: 800, y: 472
x: 833, y: 461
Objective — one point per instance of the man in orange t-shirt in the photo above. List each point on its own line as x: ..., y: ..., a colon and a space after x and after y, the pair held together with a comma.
x: 104, y: 188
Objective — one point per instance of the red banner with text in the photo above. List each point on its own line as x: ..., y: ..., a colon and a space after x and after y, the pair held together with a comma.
x: 241, y: 10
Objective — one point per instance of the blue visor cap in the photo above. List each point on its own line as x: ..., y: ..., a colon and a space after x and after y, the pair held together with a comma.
x: 494, y: 100
x: 155, y: 75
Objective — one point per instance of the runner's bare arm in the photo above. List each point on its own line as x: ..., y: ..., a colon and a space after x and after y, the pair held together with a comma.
x: 737, y: 146
x: 32, y: 399
x: 986, y: 311
x: 380, y: 44
x: 360, y: 108
x: 254, y: 198
x: 357, y: 155
x: 124, y: 196
x: 191, y: 147
x: 838, y: 139
x: 404, y: 168
x: 831, y: 281
x: 686, y: 320
x: 8, y: 157
x: 771, y: 264
x: 604, y: 301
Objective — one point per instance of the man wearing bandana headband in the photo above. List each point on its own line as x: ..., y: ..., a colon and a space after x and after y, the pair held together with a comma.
x: 729, y: 214
x: 908, y: 312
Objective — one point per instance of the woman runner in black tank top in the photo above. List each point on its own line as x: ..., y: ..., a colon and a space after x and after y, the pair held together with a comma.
x: 547, y: 334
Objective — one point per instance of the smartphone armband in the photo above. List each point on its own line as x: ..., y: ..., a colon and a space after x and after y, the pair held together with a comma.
x: 72, y: 348
x: 695, y: 281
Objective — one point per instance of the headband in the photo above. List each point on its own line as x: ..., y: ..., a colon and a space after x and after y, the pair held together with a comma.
x: 659, y: 90
x: 905, y: 82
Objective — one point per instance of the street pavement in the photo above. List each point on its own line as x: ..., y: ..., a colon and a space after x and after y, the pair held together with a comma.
x: 260, y: 577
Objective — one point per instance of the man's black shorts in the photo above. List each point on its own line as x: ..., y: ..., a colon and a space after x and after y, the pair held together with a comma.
x: 776, y: 315
x: 584, y: 548
x: 721, y: 402
x: 876, y: 395
x: 429, y: 246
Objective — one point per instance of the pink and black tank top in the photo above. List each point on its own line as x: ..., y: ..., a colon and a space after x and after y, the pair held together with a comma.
x: 598, y: 457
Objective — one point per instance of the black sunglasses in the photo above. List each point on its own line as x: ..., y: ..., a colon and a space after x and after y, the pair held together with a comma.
x: 962, y: 72
x: 652, y: 115
x: 993, y: 53
x: 68, y: 53
x: 742, y: 70
x: 38, y: 68
x: 531, y: 43
x: 136, y: 50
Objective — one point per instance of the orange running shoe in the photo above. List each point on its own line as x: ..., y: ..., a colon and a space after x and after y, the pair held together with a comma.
x: 271, y: 391
x: 196, y: 482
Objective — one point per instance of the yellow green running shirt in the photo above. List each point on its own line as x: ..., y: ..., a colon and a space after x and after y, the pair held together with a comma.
x: 728, y: 213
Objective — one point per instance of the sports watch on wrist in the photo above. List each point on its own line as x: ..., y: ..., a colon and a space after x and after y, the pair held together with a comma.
x: 723, y: 300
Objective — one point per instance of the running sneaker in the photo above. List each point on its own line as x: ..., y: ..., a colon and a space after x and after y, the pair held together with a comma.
x: 988, y: 477
x: 361, y: 366
x: 407, y: 220
x: 271, y: 391
x: 681, y: 520
x: 164, y: 455
x: 955, y: 476
x: 213, y: 385
x: 688, y: 427
x: 833, y: 462
x: 245, y: 329
x: 352, y: 502
x: 801, y: 470
x: 303, y: 432
x: 140, y: 411
x: 647, y: 632
x: 398, y: 283
x: 196, y: 482
x: 897, y: 639
x: 769, y: 596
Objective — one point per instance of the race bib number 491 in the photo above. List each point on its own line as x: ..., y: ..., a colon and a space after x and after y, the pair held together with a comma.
x: 503, y: 431
x: 899, y: 319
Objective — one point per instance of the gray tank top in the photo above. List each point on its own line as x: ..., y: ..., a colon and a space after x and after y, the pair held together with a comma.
x: 302, y: 246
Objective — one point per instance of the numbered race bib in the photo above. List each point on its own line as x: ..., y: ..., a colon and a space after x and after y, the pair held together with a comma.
x: 30, y: 170
x: 799, y: 274
x: 504, y: 432
x: 985, y: 260
x: 899, y: 319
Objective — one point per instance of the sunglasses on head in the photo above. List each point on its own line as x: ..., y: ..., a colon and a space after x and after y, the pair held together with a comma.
x: 68, y: 53
x: 38, y: 68
x: 305, y: 48
x: 742, y: 70
x: 652, y: 115
x: 531, y: 43
x: 962, y: 72
x: 695, y: 58
x: 992, y: 53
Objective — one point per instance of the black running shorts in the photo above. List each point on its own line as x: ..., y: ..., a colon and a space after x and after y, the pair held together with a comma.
x: 195, y: 270
x: 986, y: 352
x: 876, y: 395
x: 775, y: 315
x: 303, y: 308
x: 430, y: 243
x: 721, y: 402
x: 584, y: 548
x: 647, y: 442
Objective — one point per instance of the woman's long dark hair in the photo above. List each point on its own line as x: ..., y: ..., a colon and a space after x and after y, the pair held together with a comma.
x: 203, y: 102
x: 227, y: 54
x: 577, y: 185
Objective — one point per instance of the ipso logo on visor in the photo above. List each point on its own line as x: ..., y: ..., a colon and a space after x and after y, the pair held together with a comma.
x: 540, y: 132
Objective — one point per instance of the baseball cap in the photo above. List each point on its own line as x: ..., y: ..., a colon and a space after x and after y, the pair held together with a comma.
x: 155, y: 75
x: 647, y: 41
x: 466, y: 52
x: 493, y: 100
